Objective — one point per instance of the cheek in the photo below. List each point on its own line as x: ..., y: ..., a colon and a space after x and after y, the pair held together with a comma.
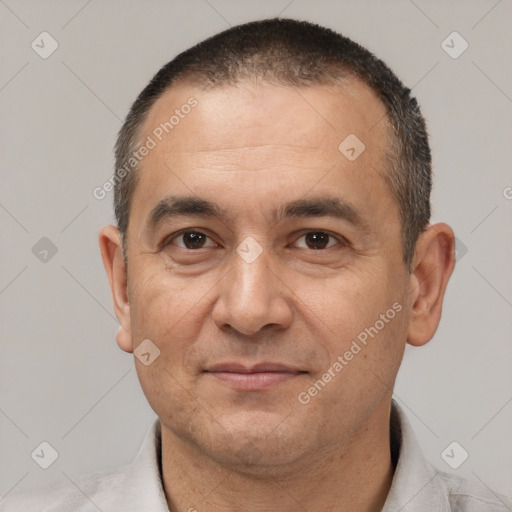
x: 162, y: 304
x: 167, y: 311
x: 347, y: 302
x: 170, y: 312
x: 360, y: 318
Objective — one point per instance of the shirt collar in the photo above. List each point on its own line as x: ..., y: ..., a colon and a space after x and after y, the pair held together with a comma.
x: 145, y: 488
x: 415, y: 485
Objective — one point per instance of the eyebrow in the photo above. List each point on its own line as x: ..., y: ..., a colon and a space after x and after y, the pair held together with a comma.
x: 322, y: 206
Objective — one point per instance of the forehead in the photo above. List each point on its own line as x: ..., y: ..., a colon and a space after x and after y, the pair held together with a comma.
x: 207, y: 142
x: 258, y: 116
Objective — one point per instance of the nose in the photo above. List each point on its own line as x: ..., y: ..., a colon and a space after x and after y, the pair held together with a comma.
x: 252, y: 297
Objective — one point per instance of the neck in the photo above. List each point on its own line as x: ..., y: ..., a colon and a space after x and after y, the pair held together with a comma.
x: 356, y: 475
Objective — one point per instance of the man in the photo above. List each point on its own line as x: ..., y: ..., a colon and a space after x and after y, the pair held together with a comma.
x: 273, y: 256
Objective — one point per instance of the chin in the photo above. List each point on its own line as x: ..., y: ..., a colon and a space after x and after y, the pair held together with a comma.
x: 257, y: 442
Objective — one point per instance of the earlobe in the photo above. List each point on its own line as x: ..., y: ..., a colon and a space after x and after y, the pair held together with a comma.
x: 124, y: 340
x: 433, y: 265
x: 113, y: 261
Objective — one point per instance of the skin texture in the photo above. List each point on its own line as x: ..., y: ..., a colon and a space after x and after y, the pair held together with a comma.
x: 251, y: 148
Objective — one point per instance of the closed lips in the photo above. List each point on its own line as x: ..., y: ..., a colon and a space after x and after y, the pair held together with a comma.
x: 258, y: 368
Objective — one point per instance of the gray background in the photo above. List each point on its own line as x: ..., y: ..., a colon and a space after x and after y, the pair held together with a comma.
x: 64, y: 380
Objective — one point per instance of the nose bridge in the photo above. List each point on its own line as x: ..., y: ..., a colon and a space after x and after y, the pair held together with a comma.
x: 251, y: 296
x: 251, y: 275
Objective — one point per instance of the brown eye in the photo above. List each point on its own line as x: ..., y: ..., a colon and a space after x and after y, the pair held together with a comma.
x: 316, y: 240
x: 191, y: 240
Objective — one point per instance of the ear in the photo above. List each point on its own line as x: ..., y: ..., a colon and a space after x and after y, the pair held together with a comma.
x: 113, y: 260
x: 434, y: 261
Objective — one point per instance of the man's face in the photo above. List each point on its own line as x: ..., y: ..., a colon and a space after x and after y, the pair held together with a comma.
x: 287, y: 289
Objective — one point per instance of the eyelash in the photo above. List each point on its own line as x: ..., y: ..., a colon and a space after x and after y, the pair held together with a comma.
x: 168, y: 241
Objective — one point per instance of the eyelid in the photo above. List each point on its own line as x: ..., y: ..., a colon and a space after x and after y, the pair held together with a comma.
x: 170, y: 238
x: 340, y: 238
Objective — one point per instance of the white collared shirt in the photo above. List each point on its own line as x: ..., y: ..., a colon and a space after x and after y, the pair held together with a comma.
x: 417, y: 486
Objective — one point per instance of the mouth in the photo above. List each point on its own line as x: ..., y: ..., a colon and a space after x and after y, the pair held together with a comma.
x: 259, y: 376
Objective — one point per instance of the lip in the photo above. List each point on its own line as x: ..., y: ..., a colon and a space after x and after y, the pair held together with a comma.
x: 258, y: 376
x: 265, y: 366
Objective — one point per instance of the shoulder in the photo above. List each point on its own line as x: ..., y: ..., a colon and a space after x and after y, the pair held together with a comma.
x: 129, y: 488
x: 79, y: 494
x: 418, y: 485
x: 470, y: 496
